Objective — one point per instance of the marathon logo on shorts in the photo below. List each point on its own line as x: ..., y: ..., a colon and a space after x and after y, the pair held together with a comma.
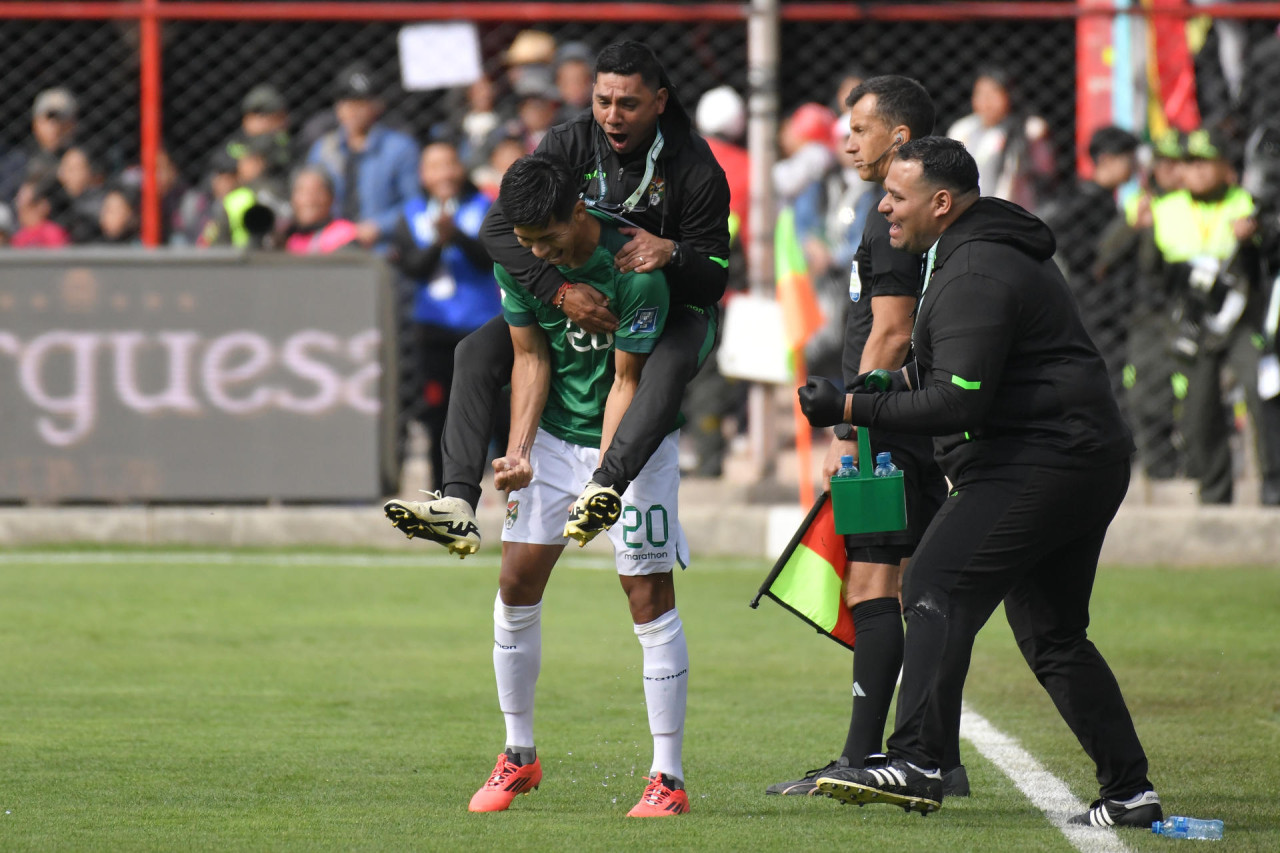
x: 646, y: 320
x: 513, y: 512
x: 650, y: 555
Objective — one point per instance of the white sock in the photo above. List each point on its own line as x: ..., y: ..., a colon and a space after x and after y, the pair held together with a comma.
x: 666, y: 689
x: 517, y: 657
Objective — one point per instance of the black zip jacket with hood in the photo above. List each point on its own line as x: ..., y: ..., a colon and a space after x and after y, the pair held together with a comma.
x: 692, y: 204
x: 1006, y: 372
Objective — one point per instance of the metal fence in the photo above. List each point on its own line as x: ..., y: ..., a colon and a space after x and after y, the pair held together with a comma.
x: 157, y: 83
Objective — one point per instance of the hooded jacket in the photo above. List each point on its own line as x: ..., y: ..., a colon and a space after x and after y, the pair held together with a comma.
x: 688, y: 202
x: 1007, y: 373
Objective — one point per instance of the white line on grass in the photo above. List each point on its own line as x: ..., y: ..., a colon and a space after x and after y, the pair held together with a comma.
x: 1045, y: 791
x: 433, y: 560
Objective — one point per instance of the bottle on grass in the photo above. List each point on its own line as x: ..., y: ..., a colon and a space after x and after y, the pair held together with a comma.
x: 1188, y: 827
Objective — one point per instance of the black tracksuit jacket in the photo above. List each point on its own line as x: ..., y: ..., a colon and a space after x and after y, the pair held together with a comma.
x: 1006, y: 372
x: 693, y: 208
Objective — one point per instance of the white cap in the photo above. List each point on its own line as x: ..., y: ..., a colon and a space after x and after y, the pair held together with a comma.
x: 721, y: 112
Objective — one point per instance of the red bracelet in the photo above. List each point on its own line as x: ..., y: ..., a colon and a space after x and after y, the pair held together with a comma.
x: 558, y: 302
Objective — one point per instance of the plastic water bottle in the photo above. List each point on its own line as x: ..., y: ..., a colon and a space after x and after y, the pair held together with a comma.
x: 847, y: 468
x: 1189, y: 827
x: 884, y: 465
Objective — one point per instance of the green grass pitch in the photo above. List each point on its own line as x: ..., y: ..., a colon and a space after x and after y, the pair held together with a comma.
x: 338, y: 701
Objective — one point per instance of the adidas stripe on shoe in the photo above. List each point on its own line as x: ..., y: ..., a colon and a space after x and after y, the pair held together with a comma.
x: 1140, y: 810
x: 892, y: 781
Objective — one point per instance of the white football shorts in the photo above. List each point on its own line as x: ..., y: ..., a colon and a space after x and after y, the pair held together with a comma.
x: 647, y: 538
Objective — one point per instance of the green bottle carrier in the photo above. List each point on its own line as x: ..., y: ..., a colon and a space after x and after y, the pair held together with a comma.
x: 867, y: 503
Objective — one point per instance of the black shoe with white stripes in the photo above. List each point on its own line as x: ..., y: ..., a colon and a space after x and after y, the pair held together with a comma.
x: 1139, y: 810
x: 886, y: 780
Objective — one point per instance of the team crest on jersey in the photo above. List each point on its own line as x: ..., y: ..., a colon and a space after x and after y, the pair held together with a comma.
x: 657, y: 191
x: 513, y: 512
x: 646, y: 320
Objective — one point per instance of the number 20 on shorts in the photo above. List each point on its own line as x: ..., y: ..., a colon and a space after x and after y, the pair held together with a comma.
x: 654, y: 524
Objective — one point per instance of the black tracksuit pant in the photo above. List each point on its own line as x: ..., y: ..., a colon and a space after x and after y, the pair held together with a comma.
x: 1031, y: 536
x: 482, y: 366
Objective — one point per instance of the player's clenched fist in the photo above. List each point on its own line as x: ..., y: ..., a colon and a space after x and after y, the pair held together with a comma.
x: 511, y: 473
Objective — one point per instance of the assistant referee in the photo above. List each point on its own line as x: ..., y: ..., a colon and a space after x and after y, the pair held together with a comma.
x: 1029, y: 432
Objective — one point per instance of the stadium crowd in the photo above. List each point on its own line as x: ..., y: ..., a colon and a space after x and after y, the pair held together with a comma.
x: 1170, y: 244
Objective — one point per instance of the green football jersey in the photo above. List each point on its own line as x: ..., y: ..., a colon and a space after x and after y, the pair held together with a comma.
x: 582, y: 363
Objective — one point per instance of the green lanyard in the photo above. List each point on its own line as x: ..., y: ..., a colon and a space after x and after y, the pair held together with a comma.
x: 928, y: 268
x: 928, y: 273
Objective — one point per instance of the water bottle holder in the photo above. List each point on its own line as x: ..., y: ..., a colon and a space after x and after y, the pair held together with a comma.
x: 867, y: 503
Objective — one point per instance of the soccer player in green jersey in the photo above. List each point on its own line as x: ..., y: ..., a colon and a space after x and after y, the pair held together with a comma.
x: 569, y: 390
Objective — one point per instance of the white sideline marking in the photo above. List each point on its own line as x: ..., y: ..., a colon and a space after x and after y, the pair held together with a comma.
x: 1045, y: 791
x: 234, y: 558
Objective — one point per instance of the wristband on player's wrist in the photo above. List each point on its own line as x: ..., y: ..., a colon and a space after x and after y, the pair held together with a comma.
x: 558, y: 302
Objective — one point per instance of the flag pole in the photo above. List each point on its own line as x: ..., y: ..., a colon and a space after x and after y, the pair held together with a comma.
x: 804, y: 437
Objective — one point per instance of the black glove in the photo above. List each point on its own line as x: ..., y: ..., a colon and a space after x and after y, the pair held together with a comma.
x: 822, y: 401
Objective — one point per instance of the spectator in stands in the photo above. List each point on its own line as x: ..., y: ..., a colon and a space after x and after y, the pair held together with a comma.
x: 1153, y: 386
x: 488, y: 177
x: 313, y: 229
x: 437, y: 245
x: 721, y: 118
x: 830, y: 217
x: 530, y: 50
x: 709, y: 398
x: 373, y: 168
x: 848, y: 82
x: 255, y: 188
x: 34, y: 206
x: 53, y: 127
x: 475, y: 127
x: 1012, y: 150
x: 1207, y: 260
x: 264, y: 113
x: 219, y: 181
x: 82, y: 181
x: 537, y: 103
x: 805, y: 143
x: 118, y: 217
x: 575, y: 75
x: 1077, y: 218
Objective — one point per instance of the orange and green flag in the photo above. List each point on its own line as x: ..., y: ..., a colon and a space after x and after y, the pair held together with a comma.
x: 801, y: 314
x: 809, y: 576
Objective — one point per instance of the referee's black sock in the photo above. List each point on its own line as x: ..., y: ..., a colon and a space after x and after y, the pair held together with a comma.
x: 877, y: 625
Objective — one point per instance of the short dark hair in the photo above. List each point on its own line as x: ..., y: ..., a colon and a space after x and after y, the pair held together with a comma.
x: 631, y: 57
x: 537, y: 190
x: 944, y: 162
x: 318, y: 171
x: 899, y: 100
x: 1111, y: 140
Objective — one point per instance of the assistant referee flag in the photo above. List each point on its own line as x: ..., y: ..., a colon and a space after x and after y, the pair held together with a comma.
x: 809, y: 576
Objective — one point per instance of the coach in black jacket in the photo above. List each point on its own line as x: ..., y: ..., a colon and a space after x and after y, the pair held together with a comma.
x: 1028, y: 431
x: 640, y: 160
